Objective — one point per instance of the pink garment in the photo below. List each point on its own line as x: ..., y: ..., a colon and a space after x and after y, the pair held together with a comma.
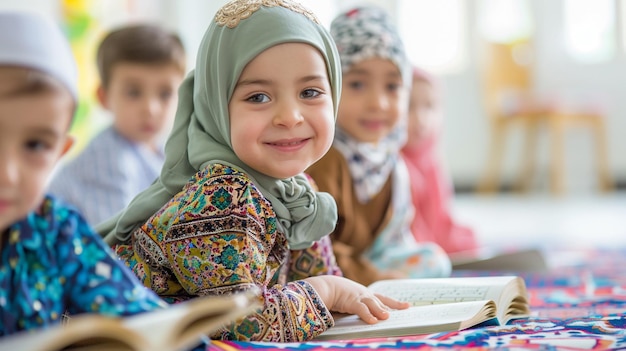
x: 431, y: 193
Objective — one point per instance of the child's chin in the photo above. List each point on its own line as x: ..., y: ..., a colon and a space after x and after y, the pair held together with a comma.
x: 284, y: 174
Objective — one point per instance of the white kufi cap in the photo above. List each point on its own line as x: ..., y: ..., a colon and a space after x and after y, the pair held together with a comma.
x: 31, y: 40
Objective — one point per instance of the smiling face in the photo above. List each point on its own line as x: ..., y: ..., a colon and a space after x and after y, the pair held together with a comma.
x: 35, y: 114
x: 373, y: 99
x: 281, y: 111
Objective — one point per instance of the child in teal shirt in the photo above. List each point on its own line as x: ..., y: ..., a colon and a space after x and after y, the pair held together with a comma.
x: 51, y: 261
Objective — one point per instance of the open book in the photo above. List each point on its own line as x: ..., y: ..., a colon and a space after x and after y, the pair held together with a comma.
x: 181, y: 326
x: 439, y: 304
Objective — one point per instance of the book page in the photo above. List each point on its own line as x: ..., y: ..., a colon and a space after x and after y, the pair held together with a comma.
x: 503, y: 290
x: 443, y: 290
x: 414, y: 320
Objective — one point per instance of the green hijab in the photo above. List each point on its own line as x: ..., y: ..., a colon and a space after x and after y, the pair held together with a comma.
x: 240, y: 31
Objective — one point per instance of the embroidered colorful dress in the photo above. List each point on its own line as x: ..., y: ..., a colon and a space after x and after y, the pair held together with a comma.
x: 218, y: 236
x: 52, y: 262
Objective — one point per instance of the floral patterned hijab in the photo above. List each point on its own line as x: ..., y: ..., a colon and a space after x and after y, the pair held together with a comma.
x: 362, y: 33
x: 201, y: 134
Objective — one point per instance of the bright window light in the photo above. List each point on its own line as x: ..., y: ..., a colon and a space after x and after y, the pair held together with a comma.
x: 504, y: 21
x: 434, y: 33
x: 622, y: 7
x: 325, y: 10
x: 590, y: 29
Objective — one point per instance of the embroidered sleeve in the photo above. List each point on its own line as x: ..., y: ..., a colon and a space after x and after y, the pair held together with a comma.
x: 319, y: 259
x: 291, y: 313
x: 229, y: 242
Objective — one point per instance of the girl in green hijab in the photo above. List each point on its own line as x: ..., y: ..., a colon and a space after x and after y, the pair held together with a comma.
x: 232, y: 209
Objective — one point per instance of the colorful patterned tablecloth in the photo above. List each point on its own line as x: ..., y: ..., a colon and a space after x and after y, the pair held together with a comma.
x: 578, y: 304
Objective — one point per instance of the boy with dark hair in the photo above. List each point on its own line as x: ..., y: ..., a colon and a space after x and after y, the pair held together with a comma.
x: 140, y: 68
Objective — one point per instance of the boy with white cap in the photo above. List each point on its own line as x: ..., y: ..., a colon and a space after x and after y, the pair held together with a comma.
x: 51, y: 261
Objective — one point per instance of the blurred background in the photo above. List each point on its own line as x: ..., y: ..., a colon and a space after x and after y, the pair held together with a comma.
x: 533, y: 99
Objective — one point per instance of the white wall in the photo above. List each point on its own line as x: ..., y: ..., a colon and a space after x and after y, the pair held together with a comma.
x: 557, y: 72
x: 45, y: 7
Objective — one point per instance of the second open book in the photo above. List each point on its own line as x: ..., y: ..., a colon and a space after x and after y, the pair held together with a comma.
x: 439, y: 304
x: 180, y: 327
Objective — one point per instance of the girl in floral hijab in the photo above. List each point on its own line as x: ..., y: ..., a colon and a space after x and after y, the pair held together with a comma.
x: 363, y: 170
x: 232, y: 210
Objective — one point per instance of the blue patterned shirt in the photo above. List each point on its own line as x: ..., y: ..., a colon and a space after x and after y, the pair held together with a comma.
x: 53, y: 262
x: 106, y: 175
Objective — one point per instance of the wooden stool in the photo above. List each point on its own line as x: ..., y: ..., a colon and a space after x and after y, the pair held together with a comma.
x: 510, y: 103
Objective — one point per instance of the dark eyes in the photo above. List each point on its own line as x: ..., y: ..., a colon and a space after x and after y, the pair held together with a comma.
x: 164, y: 95
x: 258, y: 98
x: 133, y: 93
x: 310, y: 93
x: 356, y: 85
x: 393, y: 87
x: 37, y: 145
x: 263, y: 98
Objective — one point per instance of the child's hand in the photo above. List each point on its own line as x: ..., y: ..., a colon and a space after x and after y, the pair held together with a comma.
x: 346, y: 296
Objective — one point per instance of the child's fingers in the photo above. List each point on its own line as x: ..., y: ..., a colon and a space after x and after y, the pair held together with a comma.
x: 377, y: 308
x: 392, y: 303
x: 363, y: 310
